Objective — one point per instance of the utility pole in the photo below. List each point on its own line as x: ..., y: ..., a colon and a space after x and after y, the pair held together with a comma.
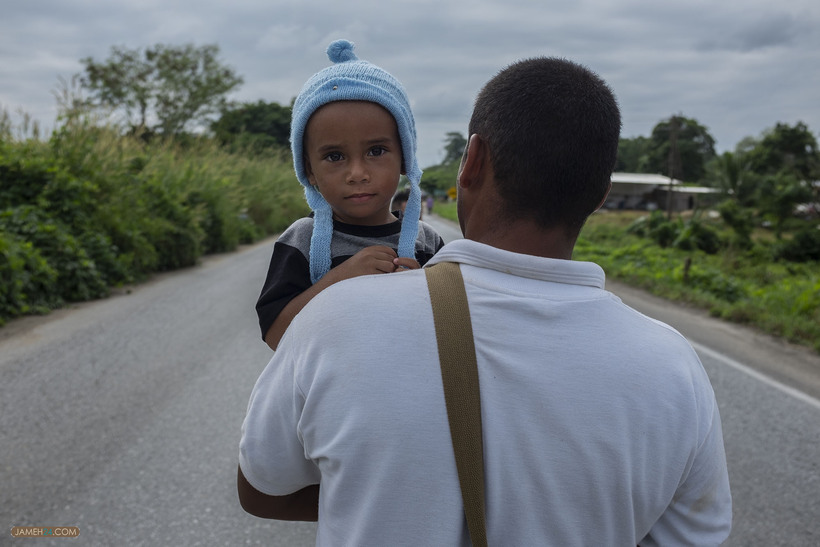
x: 674, y: 161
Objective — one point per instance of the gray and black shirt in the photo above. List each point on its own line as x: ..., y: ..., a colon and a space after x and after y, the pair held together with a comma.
x: 289, y: 270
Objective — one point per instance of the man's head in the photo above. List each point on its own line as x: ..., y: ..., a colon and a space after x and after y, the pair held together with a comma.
x: 351, y: 79
x: 552, y: 129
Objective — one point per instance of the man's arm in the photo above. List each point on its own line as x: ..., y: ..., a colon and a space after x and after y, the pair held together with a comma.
x: 301, y: 505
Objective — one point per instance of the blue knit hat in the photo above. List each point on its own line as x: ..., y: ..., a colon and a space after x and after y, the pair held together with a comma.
x: 351, y: 79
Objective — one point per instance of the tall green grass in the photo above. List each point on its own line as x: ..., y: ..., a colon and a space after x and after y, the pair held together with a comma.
x: 90, y: 209
x: 446, y: 210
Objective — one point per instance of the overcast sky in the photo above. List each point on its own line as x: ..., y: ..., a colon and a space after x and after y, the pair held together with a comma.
x: 736, y: 66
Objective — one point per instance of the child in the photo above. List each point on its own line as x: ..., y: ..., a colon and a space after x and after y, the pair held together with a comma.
x: 400, y: 201
x: 352, y: 136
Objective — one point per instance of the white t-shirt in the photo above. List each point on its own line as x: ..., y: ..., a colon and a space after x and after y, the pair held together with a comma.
x: 600, y: 424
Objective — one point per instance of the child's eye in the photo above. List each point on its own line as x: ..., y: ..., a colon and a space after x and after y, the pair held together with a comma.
x: 377, y: 150
x: 333, y: 156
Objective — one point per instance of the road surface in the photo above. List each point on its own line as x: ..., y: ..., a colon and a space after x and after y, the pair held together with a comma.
x: 122, y: 416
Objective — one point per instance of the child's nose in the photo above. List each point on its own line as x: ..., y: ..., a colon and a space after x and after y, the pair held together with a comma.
x: 358, y: 172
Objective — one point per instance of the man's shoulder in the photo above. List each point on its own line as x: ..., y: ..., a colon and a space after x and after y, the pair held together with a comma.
x: 365, y: 309
x: 393, y: 291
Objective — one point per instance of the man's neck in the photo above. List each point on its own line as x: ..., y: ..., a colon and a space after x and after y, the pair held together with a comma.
x: 482, y: 223
x: 525, y: 237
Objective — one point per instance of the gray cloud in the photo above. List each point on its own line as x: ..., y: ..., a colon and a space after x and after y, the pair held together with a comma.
x: 738, y: 67
x: 777, y: 30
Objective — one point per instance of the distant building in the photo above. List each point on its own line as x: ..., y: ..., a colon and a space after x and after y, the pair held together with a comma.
x: 648, y: 192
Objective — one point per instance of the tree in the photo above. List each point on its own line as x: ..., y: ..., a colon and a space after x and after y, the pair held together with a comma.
x: 681, y: 148
x: 256, y: 126
x: 633, y: 155
x: 730, y: 173
x: 163, y: 88
x: 454, y: 145
x: 779, y: 195
x: 740, y: 220
x: 439, y: 178
x: 787, y: 149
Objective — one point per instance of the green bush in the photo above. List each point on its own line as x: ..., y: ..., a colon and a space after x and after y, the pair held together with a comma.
x: 740, y: 220
x: 804, y: 246
x: 219, y: 226
x: 695, y: 235
x: 712, y: 281
x: 77, y: 275
x: 104, y: 254
x: 665, y: 234
x: 689, y: 235
x: 27, y: 281
x: 23, y: 179
x: 176, y: 246
x: 90, y: 209
x: 656, y: 227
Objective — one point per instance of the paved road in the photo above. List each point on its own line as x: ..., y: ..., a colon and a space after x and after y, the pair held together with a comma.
x: 122, y: 416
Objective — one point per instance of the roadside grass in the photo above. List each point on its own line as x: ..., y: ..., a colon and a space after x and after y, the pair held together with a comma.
x: 749, y: 287
x: 91, y: 209
x: 446, y: 210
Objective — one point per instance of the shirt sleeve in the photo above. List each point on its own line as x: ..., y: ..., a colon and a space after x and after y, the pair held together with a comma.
x: 288, y: 276
x: 701, y: 511
x: 271, y: 453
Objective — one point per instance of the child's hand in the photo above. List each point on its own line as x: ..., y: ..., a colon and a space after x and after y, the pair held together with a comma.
x: 403, y: 263
x: 370, y: 260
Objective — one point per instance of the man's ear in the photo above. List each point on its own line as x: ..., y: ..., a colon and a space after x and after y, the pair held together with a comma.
x: 606, y: 195
x: 475, y: 160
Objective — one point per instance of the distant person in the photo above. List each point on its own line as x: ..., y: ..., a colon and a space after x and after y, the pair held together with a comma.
x: 400, y: 202
x: 600, y: 426
x: 430, y: 202
x: 352, y: 136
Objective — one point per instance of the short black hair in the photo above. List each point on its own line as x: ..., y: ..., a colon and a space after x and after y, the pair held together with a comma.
x: 402, y: 196
x: 552, y: 127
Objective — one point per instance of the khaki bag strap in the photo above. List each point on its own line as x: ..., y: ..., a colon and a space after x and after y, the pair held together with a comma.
x: 459, y: 374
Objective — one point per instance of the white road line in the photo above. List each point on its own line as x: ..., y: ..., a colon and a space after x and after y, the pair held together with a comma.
x: 797, y: 394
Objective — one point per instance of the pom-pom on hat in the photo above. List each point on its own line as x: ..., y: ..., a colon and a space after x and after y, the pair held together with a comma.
x: 351, y: 79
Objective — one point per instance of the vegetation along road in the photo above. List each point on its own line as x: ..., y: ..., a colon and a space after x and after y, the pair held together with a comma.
x: 122, y: 416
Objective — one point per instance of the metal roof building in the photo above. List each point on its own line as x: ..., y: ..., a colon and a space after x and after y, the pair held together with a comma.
x: 649, y: 191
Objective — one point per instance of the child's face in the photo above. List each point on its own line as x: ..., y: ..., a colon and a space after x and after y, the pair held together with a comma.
x: 353, y: 157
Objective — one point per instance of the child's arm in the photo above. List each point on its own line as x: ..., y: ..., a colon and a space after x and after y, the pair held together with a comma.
x: 370, y: 260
